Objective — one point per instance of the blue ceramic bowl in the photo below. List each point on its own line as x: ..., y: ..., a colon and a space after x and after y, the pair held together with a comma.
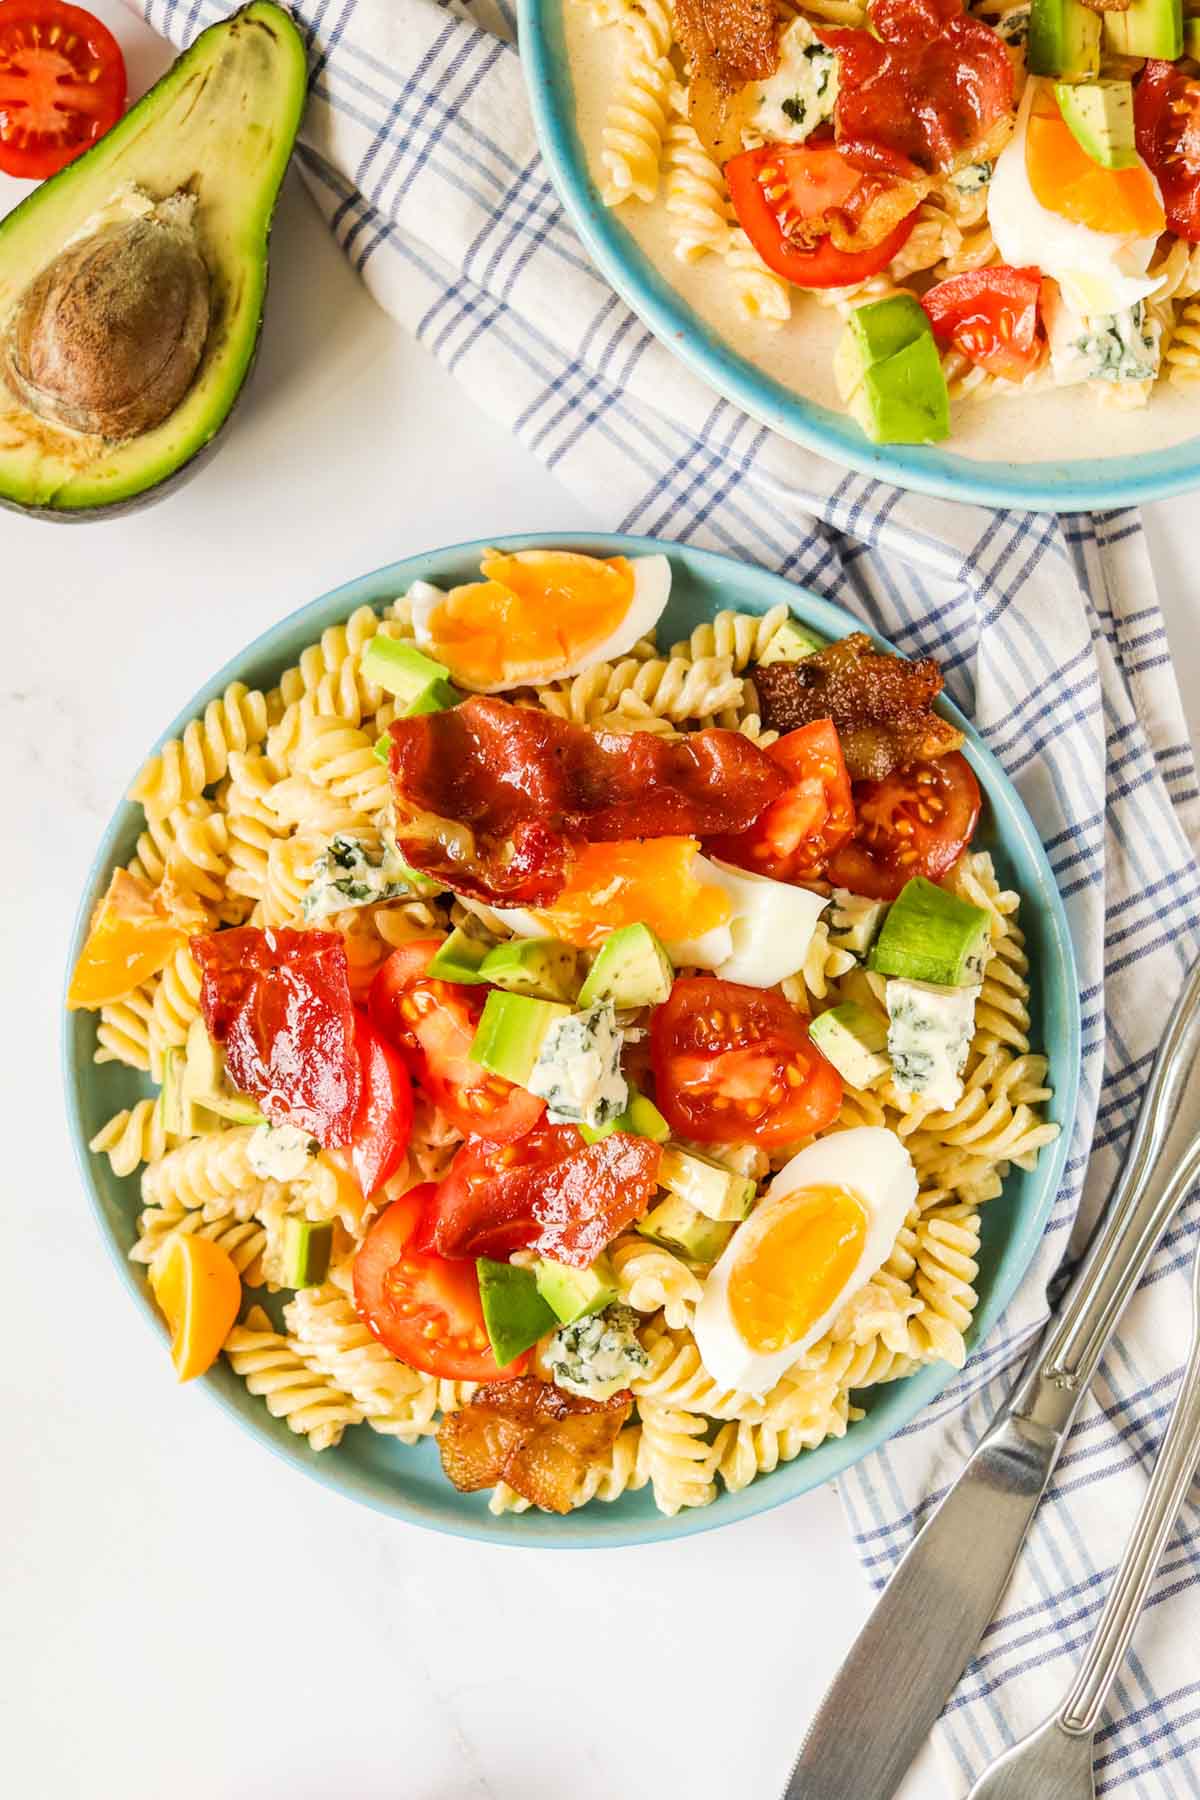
x: 408, y: 1482
x: 1079, y: 485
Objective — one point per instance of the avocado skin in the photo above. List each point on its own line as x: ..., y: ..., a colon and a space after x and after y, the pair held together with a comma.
x: 261, y: 15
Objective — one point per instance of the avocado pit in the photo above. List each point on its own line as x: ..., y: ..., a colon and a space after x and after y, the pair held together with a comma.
x: 108, y: 338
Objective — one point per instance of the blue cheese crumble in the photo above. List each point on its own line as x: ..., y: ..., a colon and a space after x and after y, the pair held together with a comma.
x: 578, y: 1070
x: 344, y: 875
x: 280, y: 1152
x: 1120, y: 346
x: 597, y: 1356
x: 1013, y: 26
x: 974, y: 177
x: 800, y: 95
x: 929, y: 1034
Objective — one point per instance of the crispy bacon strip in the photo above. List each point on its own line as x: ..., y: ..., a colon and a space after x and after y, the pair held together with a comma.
x: 881, y: 705
x: 531, y: 1434
x: 729, y: 42
x: 490, y: 797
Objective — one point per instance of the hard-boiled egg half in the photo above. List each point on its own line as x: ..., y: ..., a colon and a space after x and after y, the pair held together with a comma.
x: 1049, y: 204
x: 539, y: 615
x: 709, y: 915
x: 826, y: 1224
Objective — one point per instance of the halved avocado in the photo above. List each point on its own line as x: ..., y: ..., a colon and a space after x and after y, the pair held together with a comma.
x: 208, y: 145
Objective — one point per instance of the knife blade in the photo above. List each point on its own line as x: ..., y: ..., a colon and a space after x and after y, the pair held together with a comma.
x: 944, y: 1592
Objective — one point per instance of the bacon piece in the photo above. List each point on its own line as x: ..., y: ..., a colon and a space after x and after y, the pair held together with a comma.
x: 881, y: 705
x: 279, y: 1001
x: 729, y: 42
x: 531, y: 1434
x: 491, y: 797
x: 932, y: 86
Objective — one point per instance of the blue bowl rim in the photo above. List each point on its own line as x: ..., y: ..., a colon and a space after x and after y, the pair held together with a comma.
x: 1084, y: 485
x: 906, y: 1399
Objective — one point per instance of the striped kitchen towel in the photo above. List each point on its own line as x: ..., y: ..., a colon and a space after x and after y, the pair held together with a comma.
x: 419, y: 151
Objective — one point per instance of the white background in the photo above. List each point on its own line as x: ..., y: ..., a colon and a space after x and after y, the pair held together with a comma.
x: 182, y: 1614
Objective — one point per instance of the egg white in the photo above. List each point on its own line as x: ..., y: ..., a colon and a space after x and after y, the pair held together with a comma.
x: 1098, y: 271
x: 874, y: 1165
x: 651, y: 591
x: 767, y: 935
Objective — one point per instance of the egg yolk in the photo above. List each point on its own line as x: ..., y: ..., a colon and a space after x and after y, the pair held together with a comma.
x: 794, y: 1271
x: 648, y: 881
x: 1066, y: 181
x: 533, y: 613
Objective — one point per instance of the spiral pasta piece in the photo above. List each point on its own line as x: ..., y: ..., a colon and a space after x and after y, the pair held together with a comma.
x: 326, y: 1331
x: 651, y: 1279
x: 185, y: 766
x: 133, y: 1136
x: 342, y: 759
x: 761, y: 296
x: 212, y: 1172
x: 696, y: 201
x: 273, y: 1370
x: 243, y: 1240
x: 123, y: 1034
x: 947, y: 1246
x: 675, y: 1457
x: 176, y: 1004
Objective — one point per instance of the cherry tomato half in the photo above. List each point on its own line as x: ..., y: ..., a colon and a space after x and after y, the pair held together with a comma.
x: 551, y: 1192
x: 383, y: 1122
x: 991, y: 315
x: 795, y: 836
x: 422, y: 1307
x: 733, y: 1063
x: 777, y: 188
x: 1166, y: 111
x: 916, y: 821
x: 62, y: 85
x: 432, y: 1024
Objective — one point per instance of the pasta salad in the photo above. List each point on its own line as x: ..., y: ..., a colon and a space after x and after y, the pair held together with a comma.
x: 593, y: 1054
x: 997, y: 197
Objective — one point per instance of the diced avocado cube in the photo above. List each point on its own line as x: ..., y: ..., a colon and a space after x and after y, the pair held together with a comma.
x: 177, y: 1110
x: 511, y: 1032
x: 854, y: 1041
x: 1100, y: 116
x: 574, y: 1293
x: 381, y: 749
x: 1064, y: 38
x: 931, y: 935
x: 641, y: 1118
x: 515, y: 1315
x: 680, y: 1226
x: 539, y: 966
x: 715, y: 1191
x: 458, y: 958
x: 631, y: 969
x: 1146, y: 28
x: 306, y: 1247
x: 792, y: 643
x: 205, y: 1082
x: 1191, y: 39
x: 418, y: 683
x: 890, y: 374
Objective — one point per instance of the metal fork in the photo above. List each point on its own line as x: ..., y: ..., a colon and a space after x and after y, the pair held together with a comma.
x: 1055, y: 1761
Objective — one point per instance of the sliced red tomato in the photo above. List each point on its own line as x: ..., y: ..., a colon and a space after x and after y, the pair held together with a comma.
x: 793, y: 838
x: 733, y: 1063
x: 383, y: 1123
x: 62, y: 85
x: 279, y: 1001
x: 432, y: 1024
x: 550, y: 1192
x: 788, y: 199
x: 1166, y: 112
x: 991, y: 315
x: 917, y: 821
x: 925, y: 81
x: 420, y: 1306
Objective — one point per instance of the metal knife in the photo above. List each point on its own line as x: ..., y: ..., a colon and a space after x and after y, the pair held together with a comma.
x: 929, y: 1619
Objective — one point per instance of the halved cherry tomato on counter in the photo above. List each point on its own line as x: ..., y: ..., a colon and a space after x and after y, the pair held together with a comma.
x: 62, y: 85
x: 735, y: 1063
x: 781, y: 193
x: 383, y: 1123
x: 795, y: 836
x: 432, y: 1024
x: 551, y: 1192
x: 1166, y: 112
x: 917, y: 821
x: 422, y: 1307
x: 991, y: 315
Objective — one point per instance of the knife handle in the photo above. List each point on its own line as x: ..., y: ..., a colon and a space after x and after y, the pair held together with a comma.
x: 1162, y: 1162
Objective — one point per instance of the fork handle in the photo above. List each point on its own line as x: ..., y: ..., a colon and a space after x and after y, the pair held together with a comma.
x: 1169, y: 1484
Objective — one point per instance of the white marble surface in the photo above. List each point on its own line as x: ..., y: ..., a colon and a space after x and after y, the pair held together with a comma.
x: 182, y: 1614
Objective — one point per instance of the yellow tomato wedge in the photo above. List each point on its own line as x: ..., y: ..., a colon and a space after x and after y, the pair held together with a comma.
x: 198, y: 1291
x: 649, y: 881
x: 134, y: 933
x: 1065, y: 179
